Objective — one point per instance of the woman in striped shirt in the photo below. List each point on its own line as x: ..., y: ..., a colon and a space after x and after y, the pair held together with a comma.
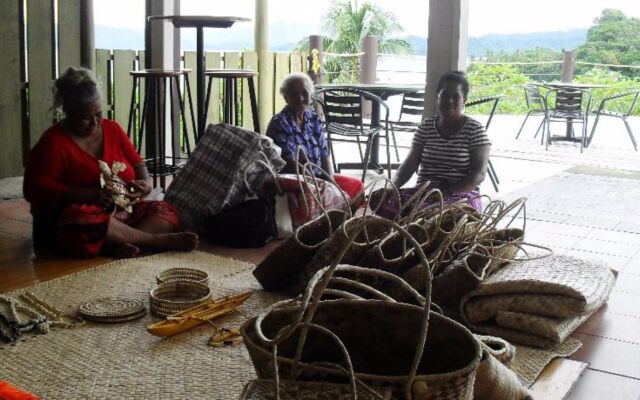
x: 449, y: 150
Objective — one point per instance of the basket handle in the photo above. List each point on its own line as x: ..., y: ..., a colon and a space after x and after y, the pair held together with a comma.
x: 319, y: 283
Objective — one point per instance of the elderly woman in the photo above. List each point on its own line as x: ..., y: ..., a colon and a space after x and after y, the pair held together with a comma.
x: 72, y: 214
x: 297, y: 125
x: 449, y: 150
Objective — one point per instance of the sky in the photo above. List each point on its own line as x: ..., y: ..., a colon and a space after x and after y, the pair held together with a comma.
x: 485, y: 16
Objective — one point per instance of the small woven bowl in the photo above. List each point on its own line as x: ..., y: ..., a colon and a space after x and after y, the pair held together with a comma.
x: 172, y: 297
x: 182, y: 274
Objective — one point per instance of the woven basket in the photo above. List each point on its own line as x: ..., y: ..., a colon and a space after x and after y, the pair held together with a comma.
x: 502, y: 245
x: 464, y: 274
x: 264, y: 389
x: 182, y: 274
x: 381, y: 354
x: 363, y: 242
x: 384, y: 344
x: 172, y: 297
x: 283, y: 265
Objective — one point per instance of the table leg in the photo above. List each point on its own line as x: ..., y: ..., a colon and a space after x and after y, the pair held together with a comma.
x: 200, y: 80
x: 254, y: 105
x: 569, y: 130
x: 374, y: 161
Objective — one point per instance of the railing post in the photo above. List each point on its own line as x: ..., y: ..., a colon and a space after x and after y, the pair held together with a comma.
x: 87, y: 36
x: 568, y: 65
x: 316, y: 59
x: 261, y: 41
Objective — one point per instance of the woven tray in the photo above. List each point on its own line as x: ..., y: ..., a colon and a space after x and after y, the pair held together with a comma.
x: 172, y: 297
x: 182, y: 274
x: 112, y: 309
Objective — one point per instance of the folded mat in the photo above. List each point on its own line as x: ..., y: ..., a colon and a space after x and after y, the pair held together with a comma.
x: 539, y: 302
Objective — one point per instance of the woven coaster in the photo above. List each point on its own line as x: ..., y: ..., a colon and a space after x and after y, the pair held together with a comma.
x: 112, y: 309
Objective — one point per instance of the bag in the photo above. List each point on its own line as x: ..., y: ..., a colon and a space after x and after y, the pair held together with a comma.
x: 283, y: 216
x: 249, y: 224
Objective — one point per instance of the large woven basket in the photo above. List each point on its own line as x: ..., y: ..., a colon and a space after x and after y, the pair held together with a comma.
x: 384, y: 344
x: 172, y: 297
x: 381, y: 353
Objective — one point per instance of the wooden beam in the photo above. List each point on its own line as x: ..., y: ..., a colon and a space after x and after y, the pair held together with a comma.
x: 69, y: 34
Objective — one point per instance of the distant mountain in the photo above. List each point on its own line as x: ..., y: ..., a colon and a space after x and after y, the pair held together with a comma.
x: 283, y: 37
x: 478, y: 46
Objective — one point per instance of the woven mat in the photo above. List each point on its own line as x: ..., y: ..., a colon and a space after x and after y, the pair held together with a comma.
x: 112, y: 361
x: 529, y: 362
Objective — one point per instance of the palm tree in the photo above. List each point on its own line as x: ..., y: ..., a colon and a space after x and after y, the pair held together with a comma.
x: 345, y: 25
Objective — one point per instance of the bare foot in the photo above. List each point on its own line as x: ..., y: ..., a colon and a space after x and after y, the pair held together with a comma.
x: 182, y: 241
x: 123, y: 250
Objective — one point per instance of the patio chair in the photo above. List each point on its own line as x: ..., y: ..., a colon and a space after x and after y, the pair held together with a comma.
x: 494, y: 100
x: 410, y: 117
x: 344, y: 122
x: 535, y: 104
x: 570, y: 105
x: 631, y: 96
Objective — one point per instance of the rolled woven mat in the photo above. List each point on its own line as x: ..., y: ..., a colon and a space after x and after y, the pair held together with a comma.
x: 539, y: 302
x: 494, y: 381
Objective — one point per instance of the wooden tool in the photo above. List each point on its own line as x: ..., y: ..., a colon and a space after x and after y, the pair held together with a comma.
x: 197, y: 315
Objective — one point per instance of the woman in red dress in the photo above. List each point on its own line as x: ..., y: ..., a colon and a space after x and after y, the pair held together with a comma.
x: 72, y: 214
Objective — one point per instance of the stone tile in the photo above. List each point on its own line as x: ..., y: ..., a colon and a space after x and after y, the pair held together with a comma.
x: 628, y: 283
x: 616, y: 236
x: 609, y: 355
x: 616, y: 262
x: 613, y: 326
x: 598, y: 385
x: 564, y: 229
x: 16, y: 228
x: 633, y: 266
x: 623, y: 303
x: 603, y: 247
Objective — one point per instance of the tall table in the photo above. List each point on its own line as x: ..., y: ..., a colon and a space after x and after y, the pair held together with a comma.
x: 384, y: 91
x: 200, y: 22
x: 571, y: 85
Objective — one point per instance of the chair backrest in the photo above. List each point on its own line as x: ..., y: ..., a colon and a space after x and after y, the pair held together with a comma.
x: 534, y: 98
x: 343, y: 108
x: 570, y: 100
x: 490, y: 99
x: 412, y: 104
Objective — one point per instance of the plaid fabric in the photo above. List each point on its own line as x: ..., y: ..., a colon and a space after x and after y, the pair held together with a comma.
x: 213, y: 177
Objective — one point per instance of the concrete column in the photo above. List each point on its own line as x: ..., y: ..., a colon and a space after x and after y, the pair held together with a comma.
x: 261, y: 42
x: 369, y: 60
x: 568, y: 65
x: 87, y: 35
x: 368, y: 65
x: 162, y: 51
x: 315, y: 43
x: 446, y: 44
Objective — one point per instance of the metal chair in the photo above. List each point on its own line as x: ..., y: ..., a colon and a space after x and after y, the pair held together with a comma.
x: 490, y: 99
x: 602, y: 111
x: 535, y: 104
x: 412, y: 106
x: 570, y: 105
x: 344, y: 122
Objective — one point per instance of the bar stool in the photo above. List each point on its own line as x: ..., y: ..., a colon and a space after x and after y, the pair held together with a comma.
x: 158, y: 162
x: 230, y: 78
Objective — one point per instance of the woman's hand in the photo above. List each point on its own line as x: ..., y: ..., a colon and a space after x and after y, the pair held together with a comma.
x: 138, y: 188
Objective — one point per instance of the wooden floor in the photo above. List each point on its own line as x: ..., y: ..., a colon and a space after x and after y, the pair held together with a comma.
x: 611, y: 338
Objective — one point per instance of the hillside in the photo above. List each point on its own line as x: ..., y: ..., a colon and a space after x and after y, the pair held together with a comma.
x: 282, y: 40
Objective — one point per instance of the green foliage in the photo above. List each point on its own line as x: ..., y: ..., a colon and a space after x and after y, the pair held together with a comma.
x: 613, y: 39
x: 537, y: 72
x: 493, y: 79
x: 345, y: 25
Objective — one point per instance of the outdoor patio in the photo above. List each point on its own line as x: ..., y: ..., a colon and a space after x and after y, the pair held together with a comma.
x: 578, y: 204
